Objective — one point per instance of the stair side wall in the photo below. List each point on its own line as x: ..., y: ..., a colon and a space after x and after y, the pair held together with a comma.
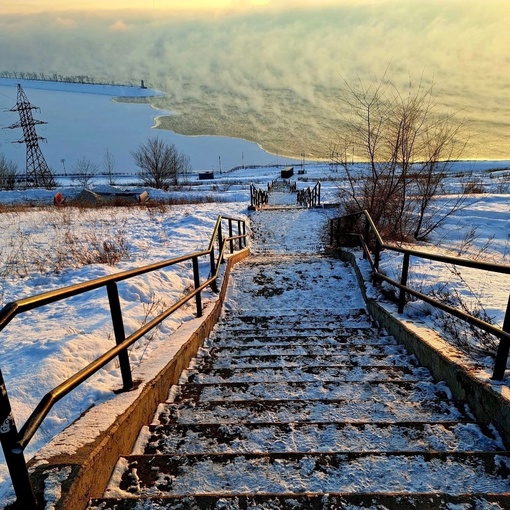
x: 489, y: 402
x: 86, y: 474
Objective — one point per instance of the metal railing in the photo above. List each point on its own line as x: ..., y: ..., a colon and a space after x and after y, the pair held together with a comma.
x: 13, y: 441
x: 258, y: 197
x: 372, y: 242
x: 310, y: 197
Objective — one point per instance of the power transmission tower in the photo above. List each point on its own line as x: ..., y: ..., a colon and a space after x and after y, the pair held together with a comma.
x: 37, y: 172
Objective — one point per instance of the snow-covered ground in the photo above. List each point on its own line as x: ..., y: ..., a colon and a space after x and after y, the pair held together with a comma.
x: 43, y: 347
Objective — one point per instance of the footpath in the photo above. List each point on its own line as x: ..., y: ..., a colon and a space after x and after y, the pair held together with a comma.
x: 299, y: 400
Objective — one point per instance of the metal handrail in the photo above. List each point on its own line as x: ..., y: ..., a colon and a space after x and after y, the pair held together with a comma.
x: 310, y: 197
x: 258, y: 197
x: 370, y: 228
x: 14, y: 442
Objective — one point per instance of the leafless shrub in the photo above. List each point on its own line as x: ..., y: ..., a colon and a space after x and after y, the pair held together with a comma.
x: 84, y: 172
x: 473, y: 186
x: 56, y: 241
x: 407, y: 146
x: 8, y: 173
x: 109, y: 166
x: 154, y: 307
x: 160, y: 163
x: 465, y: 336
x: 92, y: 248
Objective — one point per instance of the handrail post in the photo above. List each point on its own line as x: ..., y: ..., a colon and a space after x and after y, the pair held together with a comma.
x: 230, y: 233
x: 366, y: 235
x: 196, y: 277
x: 245, y: 243
x: 335, y: 232
x: 214, y: 284
x: 377, y: 257
x: 503, y: 349
x: 403, y: 281
x: 14, y: 455
x: 120, y: 334
x: 220, y: 242
x: 239, y: 234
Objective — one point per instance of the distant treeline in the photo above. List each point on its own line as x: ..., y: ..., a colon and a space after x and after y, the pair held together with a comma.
x: 81, y: 79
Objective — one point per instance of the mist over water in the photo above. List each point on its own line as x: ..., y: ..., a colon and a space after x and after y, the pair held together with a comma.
x: 275, y: 77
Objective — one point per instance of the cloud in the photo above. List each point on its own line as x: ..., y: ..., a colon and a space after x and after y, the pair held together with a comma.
x: 65, y: 22
x: 285, y: 64
x: 119, y: 26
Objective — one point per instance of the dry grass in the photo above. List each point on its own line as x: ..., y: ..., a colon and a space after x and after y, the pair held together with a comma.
x: 49, y: 240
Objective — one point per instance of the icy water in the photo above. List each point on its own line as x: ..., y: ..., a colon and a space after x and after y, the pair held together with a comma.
x: 274, y: 76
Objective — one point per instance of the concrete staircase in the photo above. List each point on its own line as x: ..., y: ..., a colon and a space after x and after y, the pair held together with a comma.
x: 298, y: 401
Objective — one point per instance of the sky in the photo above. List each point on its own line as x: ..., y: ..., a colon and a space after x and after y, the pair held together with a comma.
x: 269, y: 70
x: 27, y: 7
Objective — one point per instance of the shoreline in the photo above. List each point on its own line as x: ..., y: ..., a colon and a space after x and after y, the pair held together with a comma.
x: 138, y: 96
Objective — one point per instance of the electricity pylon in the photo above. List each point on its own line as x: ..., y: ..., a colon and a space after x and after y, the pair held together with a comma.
x: 37, y: 172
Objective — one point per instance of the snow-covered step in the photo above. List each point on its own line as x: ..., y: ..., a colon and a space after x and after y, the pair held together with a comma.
x: 311, y: 411
x: 325, y: 437
x: 296, y: 317
x: 352, y: 472
x: 307, y: 361
x: 301, y: 374
x: 299, y: 323
x: 329, y: 501
x: 302, y: 331
x: 315, y: 337
x: 324, y: 348
x: 393, y: 391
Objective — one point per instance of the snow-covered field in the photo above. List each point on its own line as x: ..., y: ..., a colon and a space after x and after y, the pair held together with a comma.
x: 43, y: 347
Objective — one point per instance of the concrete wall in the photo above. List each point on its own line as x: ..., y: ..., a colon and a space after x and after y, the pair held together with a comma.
x: 489, y: 401
x: 85, y: 473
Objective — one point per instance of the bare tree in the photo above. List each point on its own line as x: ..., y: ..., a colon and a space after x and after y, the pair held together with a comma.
x: 160, y: 163
x: 8, y: 173
x: 396, y: 149
x: 84, y: 171
x: 109, y: 166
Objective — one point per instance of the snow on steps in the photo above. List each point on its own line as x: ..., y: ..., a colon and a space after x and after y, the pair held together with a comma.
x: 278, y: 413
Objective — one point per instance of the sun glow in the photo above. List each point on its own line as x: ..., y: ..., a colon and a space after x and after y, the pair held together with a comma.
x: 35, y: 6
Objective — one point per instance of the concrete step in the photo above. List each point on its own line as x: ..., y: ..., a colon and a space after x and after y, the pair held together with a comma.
x: 324, y: 437
x: 324, y: 348
x: 302, y: 374
x: 299, y: 411
x: 314, y: 473
x: 314, y: 336
x: 306, y: 361
x: 390, y: 391
x: 295, y: 317
x: 329, y: 501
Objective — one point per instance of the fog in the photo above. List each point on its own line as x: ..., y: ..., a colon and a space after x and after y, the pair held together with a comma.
x: 273, y: 76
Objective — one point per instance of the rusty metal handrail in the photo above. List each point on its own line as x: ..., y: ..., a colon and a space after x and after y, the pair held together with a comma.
x: 14, y: 442
x: 310, y: 197
x: 258, y: 197
x: 370, y: 228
